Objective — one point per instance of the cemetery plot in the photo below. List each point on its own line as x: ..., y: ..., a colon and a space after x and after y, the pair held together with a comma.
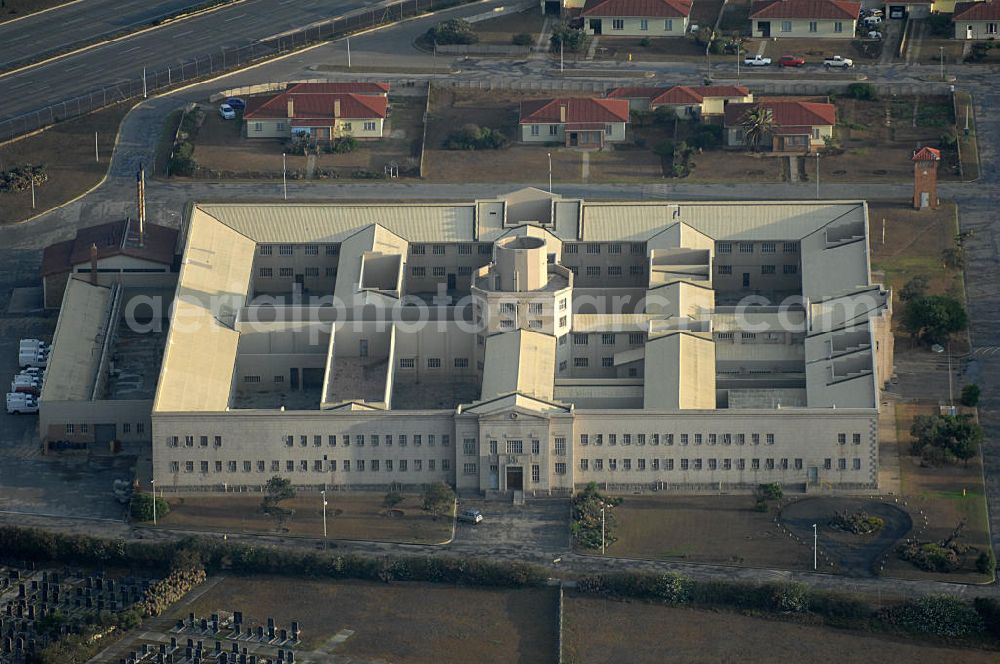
x: 41, y: 606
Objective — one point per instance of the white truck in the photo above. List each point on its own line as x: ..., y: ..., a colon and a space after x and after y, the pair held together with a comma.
x: 837, y: 62
x: 33, y: 358
x: 756, y: 61
x: 26, y: 385
x: 21, y: 403
x: 32, y: 345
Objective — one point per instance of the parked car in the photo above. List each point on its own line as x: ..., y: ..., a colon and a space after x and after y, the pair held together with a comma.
x: 757, y: 61
x: 874, y: 34
x: 18, y: 402
x: 470, y: 516
x: 873, y: 21
x: 227, y: 112
x: 236, y: 103
x: 838, y: 62
x: 791, y: 61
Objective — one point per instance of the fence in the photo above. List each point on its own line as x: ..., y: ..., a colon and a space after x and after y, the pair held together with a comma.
x: 215, y: 63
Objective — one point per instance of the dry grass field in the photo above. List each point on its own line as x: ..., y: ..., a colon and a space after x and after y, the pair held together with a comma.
x: 401, y: 623
x: 67, y: 151
x: 652, y: 634
x: 355, y: 516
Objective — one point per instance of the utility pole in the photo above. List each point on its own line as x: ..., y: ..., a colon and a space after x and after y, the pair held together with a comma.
x: 97, y: 154
x: 561, y: 56
x: 737, y: 63
x: 349, y: 52
x: 323, y: 493
x: 883, y: 230
x: 153, y: 483
x: 603, y: 548
x: 817, y: 174
x: 143, y: 82
x: 815, y: 546
x: 31, y: 178
x: 941, y: 51
x: 550, y: 172
x: 284, y: 177
x: 951, y: 403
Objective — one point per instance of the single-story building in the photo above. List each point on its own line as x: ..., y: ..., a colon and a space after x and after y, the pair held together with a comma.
x: 309, y: 110
x: 107, y: 253
x: 583, y: 122
x: 340, y: 87
x: 796, y: 126
x: 904, y: 9
x: 688, y: 101
x: 825, y: 19
x: 637, y: 18
x: 976, y: 20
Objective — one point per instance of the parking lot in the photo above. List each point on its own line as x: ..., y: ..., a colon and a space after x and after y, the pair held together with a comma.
x: 538, y: 527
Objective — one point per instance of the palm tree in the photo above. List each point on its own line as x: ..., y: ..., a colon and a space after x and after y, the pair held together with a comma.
x: 757, y: 122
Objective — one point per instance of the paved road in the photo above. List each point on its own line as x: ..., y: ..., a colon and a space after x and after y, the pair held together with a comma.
x: 201, y: 36
x: 82, y: 22
x: 166, y: 203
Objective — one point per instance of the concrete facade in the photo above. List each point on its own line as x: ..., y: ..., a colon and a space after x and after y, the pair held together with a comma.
x: 657, y: 378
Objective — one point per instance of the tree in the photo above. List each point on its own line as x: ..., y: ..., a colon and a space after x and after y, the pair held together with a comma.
x: 757, y: 122
x: 946, y: 437
x: 953, y: 258
x: 392, y: 499
x: 970, y: 395
x: 141, y: 508
x: 276, y: 490
x: 570, y: 39
x: 986, y: 563
x: 914, y: 289
x: 588, y: 520
x: 438, y: 498
x: 934, y: 318
x: 861, y: 91
x: 454, y: 31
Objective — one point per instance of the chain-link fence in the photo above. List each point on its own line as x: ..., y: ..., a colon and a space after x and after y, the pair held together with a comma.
x: 215, y: 63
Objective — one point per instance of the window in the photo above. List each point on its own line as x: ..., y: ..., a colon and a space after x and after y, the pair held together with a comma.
x: 697, y: 439
x: 725, y: 269
x: 417, y: 440
x: 841, y: 464
x: 285, y: 250
x: 712, y: 438
x: 635, y: 338
x: 331, y: 250
x: 493, y: 447
x: 485, y: 249
x: 534, y: 324
x: 251, y: 379
x: 769, y: 438
x: 265, y: 249
x: 838, y: 26
x: 612, y: 439
x: 515, y: 447
x: 626, y: 464
x: 856, y: 464
x: 746, y: 247
x: 725, y: 247
x: 418, y: 464
x: 418, y: 271
x: 668, y: 439
x: 755, y: 438
x: 786, y: 26
x: 584, y: 439
x: 553, y: 130
x: 640, y: 464
x: 402, y: 440
x: 727, y: 464
x: 668, y: 25
x: 369, y: 126
x: 560, y: 469
x: 741, y: 438
x: 612, y: 464
x: 608, y: 339
x: 535, y: 130
x: 407, y: 363
x: 767, y: 269
x: 607, y: 362
x: 643, y: 24
x: 684, y: 464
x: 598, y: 439
x: 626, y: 439
x: 842, y: 438
x: 534, y: 307
x: 668, y: 464
x: 562, y: 365
x: 618, y: 24
x: 754, y: 464
x: 388, y: 440
x: 506, y: 324
x: 265, y: 272
x: 437, y: 271
x: 609, y: 129
x: 826, y: 464
x: 469, y: 469
x: 285, y: 271
x: 140, y: 427
x: 433, y: 362
x: 593, y: 271
x: 535, y: 447
x: 769, y: 464
x: 188, y: 440
x: 656, y: 439
x: 813, y: 27
x: 614, y: 270
x: 684, y: 439
x: 856, y: 438
x: 581, y: 362
x: 584, y: 463
x: 790, y: 269
x: 594, y: 248
x: 991, y: 28
x: 580, y: 339
x: 560, y: 446
x: 346, y: 126
x: 469, y: 446
x: 461, y: 363
x: 562, y: 323
x: 536, y: 473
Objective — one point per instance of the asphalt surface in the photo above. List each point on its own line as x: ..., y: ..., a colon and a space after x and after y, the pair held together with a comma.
x: 527, y: 535
x: 43, y: 33
x: 197, y: 38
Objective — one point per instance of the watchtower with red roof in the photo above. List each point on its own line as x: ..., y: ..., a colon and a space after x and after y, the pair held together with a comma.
x: 925, y: 167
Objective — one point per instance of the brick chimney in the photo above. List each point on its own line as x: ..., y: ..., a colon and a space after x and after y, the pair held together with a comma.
x: 336, y: 107
x: 291, y: 107
x: 93, y: 263
x: 562, y: 113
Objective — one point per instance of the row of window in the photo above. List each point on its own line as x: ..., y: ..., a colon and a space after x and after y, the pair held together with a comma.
x: 838, y: 26
x: 508, y: 324
x: 318, y: 466
x: 764, y: 269
x: 268, y: 272
x: 140, y: 427
x: 536, y: 130
x: 469, y: 447
x: 668, y: 438
x: 439, y: 271
x: 175, y: 441
x: 619, y: 24
x: 709, y: 464
x: 533, y: 307
x: 331, y: 440
x: 432, y: 363
x: 612, y: 271
x: 609, y: 339
x: 765, y: 247
x: 484, y: 249
x: 635, y: 248
x: 307, y: 249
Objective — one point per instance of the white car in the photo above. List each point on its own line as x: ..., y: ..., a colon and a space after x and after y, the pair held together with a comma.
x: 838, y: 62
x: 227, y: 112
x: 873, y: 34
x: 471, y: 516
x: 757, y: 61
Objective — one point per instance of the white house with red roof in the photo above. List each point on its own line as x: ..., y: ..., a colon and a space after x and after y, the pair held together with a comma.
x: 797, y: 126
x: 637, y: 18
x: 322, y: 111
x: 977, y: 20
x: 798, y: 19
x: 576, y: 122
x: 688, y: 101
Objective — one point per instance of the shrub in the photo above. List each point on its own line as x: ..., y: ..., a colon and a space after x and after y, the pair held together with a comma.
x: 644, y: 42
x: 586, y: 526
x: 770, y: 491
x: 986, y: 563
x: 343, y: 145
x: 664, y: 149
x: 861, y: 91
x: 19, y: 178
x: 760, y: 506
x: 787, y: 597
x: 939, y: 615
x: 141, y: 508
x: 474, y: 137
x: 522, y: 39
x: 454, y: 31
x: 929, y: 556
x: 940, y: 25
x: 706, y: 137
x: 182, y: 160
x: 914, y: 289
x: 438, y: 498
x: 392, y: 499
x: 970, y: 395
x: 989, y: 610
x: 663, y: 587
x: 838, y: 608
x: 858, y: 523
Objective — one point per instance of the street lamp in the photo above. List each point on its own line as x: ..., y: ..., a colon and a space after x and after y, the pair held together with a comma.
x: 153, y: 483
x: 941, y: 51
x: 817, y: 173
x: 602, y: 532
x: 550, y: 172
x: 323, y: 493
x: 284, y: 178
x: 815, y: 545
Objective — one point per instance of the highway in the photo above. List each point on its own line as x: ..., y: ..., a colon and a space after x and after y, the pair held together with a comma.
x: 37, y: 35
x: 200, y: 36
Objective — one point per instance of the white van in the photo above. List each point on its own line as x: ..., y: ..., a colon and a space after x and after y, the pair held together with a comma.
x: 21, y: 403
x: 39, y: 358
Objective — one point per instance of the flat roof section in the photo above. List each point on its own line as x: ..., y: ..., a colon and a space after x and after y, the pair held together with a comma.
x: 77, y: 345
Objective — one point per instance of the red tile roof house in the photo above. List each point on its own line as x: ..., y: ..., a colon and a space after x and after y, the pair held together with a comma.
x: 977, y: 20
x: 576, y: 122
x: 798, y: 126
x: 822, y: 19
x: 323, y: 111
x: 637, y: 18
x: 688, y: 101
